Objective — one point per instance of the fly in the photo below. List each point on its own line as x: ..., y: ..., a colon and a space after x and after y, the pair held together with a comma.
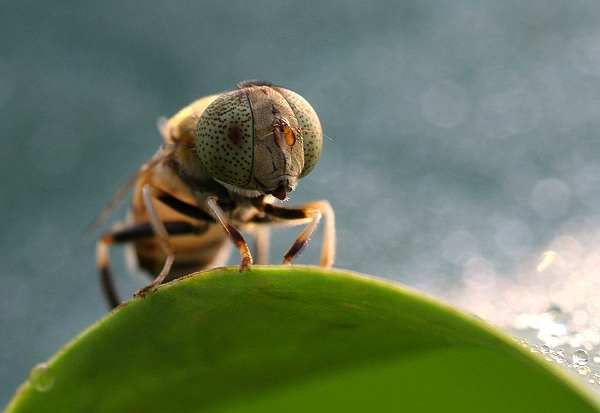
x: 226, y: 159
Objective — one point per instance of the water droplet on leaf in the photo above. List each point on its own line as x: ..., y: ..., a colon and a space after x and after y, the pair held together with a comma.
x: 580, y: 357
x: 41, y: 377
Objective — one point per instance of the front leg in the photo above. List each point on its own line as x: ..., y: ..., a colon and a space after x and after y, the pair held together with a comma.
x: 234, y: 234
x: 311, y: 213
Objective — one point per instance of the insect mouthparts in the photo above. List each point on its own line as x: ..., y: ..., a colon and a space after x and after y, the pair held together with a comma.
x: 280, y: 193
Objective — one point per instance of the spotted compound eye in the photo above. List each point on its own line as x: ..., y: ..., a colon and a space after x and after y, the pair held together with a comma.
x: 224, y: 138
x: 310, y: 127
x: 240, y: 138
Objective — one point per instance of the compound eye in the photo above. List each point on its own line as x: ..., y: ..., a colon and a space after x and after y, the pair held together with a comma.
x: 310, y: 126
x: 225, y: 139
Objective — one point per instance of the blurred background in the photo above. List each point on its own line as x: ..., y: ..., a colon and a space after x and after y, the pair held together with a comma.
x: 463, y: 156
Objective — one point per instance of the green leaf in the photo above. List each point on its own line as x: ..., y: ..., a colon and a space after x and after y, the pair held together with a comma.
x: 288, y: 339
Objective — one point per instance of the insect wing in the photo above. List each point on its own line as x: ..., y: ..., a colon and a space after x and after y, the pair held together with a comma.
x: 124, y: 190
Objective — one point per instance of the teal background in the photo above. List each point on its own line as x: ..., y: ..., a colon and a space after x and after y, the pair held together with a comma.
x: 458, y: 131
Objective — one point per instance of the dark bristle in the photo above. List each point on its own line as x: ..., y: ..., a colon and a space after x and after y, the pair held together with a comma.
x: 249, y: 83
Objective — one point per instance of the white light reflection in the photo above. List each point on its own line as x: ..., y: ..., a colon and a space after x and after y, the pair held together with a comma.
x: 554, y: 300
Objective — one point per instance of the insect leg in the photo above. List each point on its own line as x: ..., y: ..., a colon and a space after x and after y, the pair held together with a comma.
x: 162, y: 237
x: 127, y: 234
x: 311, y: 213
x: 194, y: 211
x: 233, y: 232
x: 107, y: 282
